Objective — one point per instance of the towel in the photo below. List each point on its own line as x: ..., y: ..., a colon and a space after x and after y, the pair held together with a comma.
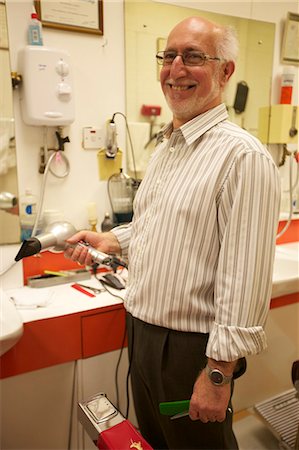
x: 29, y: 298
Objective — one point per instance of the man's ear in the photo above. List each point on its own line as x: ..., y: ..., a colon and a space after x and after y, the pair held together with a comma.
x: 228, y: 69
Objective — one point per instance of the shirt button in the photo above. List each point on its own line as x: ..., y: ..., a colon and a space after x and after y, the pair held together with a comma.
x: 172, y: 149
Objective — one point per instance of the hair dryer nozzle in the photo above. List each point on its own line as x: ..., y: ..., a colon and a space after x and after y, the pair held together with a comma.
x: 29, y: 247
x: 54, y: 238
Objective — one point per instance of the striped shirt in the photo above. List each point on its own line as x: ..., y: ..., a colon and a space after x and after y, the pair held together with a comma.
x: 202, y: 241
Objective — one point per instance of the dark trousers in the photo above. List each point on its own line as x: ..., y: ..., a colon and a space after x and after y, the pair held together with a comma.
x: 164, y: 366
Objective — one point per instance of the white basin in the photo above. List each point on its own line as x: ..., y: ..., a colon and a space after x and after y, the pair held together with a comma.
x: 11, y: 324
x: 286, y: 270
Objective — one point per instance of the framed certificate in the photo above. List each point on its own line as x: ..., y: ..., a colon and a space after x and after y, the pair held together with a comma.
x: 85, y: 16
x: 290, y: 43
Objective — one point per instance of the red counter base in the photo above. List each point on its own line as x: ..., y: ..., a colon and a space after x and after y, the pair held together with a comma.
x: 122, y: 436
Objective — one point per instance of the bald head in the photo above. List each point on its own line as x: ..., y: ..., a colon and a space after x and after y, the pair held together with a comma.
x: 223, y: 39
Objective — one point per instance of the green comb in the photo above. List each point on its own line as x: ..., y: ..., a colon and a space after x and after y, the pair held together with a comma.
x: 171, y: 408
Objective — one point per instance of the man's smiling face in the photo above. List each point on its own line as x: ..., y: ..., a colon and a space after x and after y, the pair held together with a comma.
x: 191, y: 90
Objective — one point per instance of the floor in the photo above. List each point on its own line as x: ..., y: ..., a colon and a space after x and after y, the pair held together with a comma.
x: 252, y: 434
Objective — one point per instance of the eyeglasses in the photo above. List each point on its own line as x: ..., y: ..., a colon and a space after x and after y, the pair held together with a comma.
x: 189, y: 57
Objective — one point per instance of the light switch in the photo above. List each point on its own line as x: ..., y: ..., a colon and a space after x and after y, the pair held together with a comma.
x: 92, y: 138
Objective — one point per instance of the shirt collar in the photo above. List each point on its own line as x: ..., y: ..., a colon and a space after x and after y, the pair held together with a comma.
x: 196, y: 127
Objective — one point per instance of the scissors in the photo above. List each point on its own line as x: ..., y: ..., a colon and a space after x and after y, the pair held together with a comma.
x: 95, y: 290
x: 177, y: 409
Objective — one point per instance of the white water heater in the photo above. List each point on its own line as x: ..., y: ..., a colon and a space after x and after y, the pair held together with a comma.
x: 46, y: 93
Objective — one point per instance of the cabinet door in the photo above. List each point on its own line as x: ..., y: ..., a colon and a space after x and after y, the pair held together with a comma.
x: 103, y: 332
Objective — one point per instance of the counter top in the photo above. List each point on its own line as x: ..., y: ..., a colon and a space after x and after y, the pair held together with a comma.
x: 67, y: 300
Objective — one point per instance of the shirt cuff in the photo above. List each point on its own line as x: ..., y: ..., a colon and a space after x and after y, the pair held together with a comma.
x: 229, y: 343
x: 123, y: 235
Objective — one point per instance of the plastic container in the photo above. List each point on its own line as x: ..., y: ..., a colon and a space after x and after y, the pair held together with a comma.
x: 28, y: 210
x: 287, y: 84
x: 35, y: 31
x: 121, y: 194
x: 107, y: 223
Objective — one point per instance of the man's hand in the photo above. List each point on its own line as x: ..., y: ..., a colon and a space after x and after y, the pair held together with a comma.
x: 209, y: 402
x: 104, y: 242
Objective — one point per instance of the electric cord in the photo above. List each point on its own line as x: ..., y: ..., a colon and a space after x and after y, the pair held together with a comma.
x: 41, y: 200
x: 94, y: 268
x: 290, y: 201
x: 43, y: 187
x: 117, y: 369
x: 70, y: 429
x: 7, y: 268
x: 128, y: 375
x: 130, y: 139
x: 66, y: 162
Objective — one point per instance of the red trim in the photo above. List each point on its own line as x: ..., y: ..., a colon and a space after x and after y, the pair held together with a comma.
x: 66, y: 338
x: 37, y: 264
x: 284, y: 300
x: 292, y: 233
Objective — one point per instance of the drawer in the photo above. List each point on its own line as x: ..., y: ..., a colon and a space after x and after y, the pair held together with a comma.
x: 103, y: 332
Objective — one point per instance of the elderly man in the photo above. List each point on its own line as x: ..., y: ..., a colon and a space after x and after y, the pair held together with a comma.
x: 200, y: 248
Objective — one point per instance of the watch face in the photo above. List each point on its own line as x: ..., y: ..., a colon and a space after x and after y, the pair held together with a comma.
x: 216, y: 377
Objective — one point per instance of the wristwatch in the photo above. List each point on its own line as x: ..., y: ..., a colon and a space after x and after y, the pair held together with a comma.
x: 217, y: 377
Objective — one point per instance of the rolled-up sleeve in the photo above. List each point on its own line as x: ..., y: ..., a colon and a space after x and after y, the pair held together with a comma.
x: 123, y: 235
x: 248, y: 211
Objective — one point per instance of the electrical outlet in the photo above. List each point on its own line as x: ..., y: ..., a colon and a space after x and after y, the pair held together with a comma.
x: 92, y: 138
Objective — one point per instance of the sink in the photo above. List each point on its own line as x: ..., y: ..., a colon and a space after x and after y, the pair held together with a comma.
x: 11, y: 324
x: 286, y: 270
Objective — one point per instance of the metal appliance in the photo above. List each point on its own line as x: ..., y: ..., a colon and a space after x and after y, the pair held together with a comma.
x: 107, y: 427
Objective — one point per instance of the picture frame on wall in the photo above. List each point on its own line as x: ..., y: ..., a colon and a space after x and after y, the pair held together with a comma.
x: 290, y: 42
x: 72, y: 15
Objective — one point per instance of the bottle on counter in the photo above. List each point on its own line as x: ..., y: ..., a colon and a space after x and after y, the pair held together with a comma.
x: 35, y: 31
x: 28, y: 210
x: 107, y: 223
x: 287, y: 84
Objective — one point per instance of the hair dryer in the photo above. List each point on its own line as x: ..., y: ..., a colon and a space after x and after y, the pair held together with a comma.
x: 7, y: 200
x: 53, y: 238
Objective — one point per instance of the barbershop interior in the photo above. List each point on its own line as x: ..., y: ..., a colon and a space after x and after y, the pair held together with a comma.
x: 82, y: 110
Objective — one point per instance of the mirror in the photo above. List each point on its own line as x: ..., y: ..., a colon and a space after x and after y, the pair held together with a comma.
x: 9, y: 218
x: 147, y: 25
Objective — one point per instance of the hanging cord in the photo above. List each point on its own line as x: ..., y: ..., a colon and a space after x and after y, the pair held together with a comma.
x: 70, y: 428
x: 110, y: 198
x: 41, y: 200
x: 290, y: 198
x: 61, y: 155
x: 60, y: 152
x: 130, y: 140
x: 43, y: 187
x: 119, y: 358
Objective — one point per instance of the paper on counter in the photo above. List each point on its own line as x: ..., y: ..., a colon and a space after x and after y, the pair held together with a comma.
x: 30, y: 298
